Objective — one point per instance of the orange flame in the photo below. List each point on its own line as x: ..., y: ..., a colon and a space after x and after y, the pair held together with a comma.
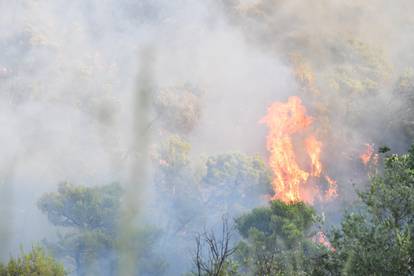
x: 321, y: 238
x: 313, y: 148
x: 291, y: 182
x: 331, y: 192
x: 367, y: 155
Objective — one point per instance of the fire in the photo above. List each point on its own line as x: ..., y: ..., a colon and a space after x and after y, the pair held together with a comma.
x: 369, y: 155
x: 321, y: 238
x: 292, y: 183
x: 331, y: 192
x: 366, y: 156
x: 313, y: 148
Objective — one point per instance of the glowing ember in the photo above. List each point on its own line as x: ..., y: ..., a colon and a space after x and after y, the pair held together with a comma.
x: 366, y: 156
x: 331, y: 192
x: 321, y: 238
x: 369, y: 155
x: 293, y: 183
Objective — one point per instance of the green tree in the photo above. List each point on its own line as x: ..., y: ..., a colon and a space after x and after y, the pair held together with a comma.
x: 173, y: 170
x: 360, y: 67
x: 86, y: 208
x: 235, y: 182
x: 91, y: 215
x: 277, y: 240
x: 179, y: 108
x: 378, y: 240
x: 90, y: 240
x: 34, y: 263
x: 229, y: 183
x: 176, y: 183
x: 403, y: 96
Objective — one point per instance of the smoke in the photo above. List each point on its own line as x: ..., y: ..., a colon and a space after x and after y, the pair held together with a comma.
x: 69, y: 71
x: 351, y: 61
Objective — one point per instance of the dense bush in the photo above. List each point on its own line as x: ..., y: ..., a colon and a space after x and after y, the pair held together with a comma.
x: 34, y: 263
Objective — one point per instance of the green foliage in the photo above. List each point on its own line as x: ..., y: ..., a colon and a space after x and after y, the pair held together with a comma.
x: 236, y: 178
x: 82, y: 207
x: 277, y: 240
x: 90, y: 241
x: 404, y: 92
x: 91, y: 214
x: 179, y: 108
x: 176, y: 182
x: 173, y: 156
x: 236, y: 167
x: 405, y: 84
x: 34, y: 263
x: 379, y: 239
x: 361, y: 67
x: 230, y: 183
x: 259, y: 218
x: 375, y: 240
x: 289, y: 221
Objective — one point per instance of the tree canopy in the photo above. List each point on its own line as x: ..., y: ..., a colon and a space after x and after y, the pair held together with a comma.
x: 91, y: 216
x: 378, y: 238
x: 278, y: 240
x: 34, y: 263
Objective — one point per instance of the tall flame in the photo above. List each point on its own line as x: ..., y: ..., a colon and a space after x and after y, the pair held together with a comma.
x: 293, y: 183
x: 313, y: 148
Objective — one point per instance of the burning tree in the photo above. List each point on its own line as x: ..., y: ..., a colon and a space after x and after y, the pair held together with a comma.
x: 293, y: 183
